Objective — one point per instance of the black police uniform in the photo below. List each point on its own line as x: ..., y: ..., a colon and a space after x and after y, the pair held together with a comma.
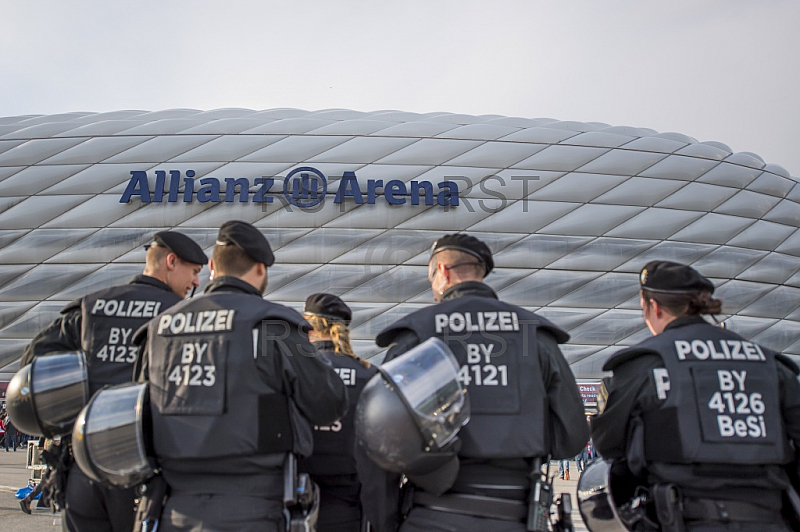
x: 351, y: 485
x: 700, y: 407
x: 524, y: 401
x: 102, y: 325
x: 234, y: 386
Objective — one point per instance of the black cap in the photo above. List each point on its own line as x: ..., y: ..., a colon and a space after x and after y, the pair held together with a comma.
x: 673, y: 278
x: 467, y: 244
x: 328, y: 306
x: 249, y: 239
x: 183, y: 246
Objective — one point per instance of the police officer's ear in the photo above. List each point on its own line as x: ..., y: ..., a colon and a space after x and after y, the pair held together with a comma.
x: 651, y: 305
x: 442, y: 274
x: 212, y: 270
x: 444, y: 271
x: 171, y: 260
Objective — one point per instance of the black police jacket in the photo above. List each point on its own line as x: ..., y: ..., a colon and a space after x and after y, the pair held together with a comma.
x: 721, y: 403
x: 102, y: 325
x: 345, y: 474
x: 233, y: 376
x: 523, y: 397
x: 334, y: 445
x: 701, y: 407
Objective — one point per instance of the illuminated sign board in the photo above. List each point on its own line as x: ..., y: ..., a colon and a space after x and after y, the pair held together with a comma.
x: 589, y: 392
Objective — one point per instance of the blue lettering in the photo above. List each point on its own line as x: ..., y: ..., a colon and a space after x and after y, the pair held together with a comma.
x: 261, y: 194
x: 175, y: 183
x: 307, y: 189
x: 395, y: 188
x: 158, y: 194
x: 137, y: 186
x: 303, y: 188
x: 427, y: 189
x: 448, y: 196
x: 188, y: 189
x: 372, y: 185
x: 209, y: 191
x: 230, y: 189
x: 348, y: 187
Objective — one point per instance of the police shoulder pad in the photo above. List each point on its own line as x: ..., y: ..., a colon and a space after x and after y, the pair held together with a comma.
x: 788, y: 362
x: 626, y: 355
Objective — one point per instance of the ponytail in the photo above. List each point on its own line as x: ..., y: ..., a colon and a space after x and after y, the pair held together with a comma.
x: 339, y: 333
x: 688, y: 304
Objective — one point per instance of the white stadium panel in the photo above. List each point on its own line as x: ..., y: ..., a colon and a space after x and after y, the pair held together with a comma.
x: 351, y: 202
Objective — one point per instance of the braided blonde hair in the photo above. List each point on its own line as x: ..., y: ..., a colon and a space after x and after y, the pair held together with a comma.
x: 339, y: 333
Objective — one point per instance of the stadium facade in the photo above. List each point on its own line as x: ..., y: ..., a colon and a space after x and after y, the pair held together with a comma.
x: 352, y: 201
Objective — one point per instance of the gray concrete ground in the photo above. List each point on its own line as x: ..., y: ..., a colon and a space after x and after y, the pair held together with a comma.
x: 14, y: 475
x: 569, y: 486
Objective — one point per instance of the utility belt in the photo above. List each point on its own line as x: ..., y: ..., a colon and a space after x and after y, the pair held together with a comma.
x: 521, y: 500
x: 674, y: 511
x: 726, y: 511
x: 328, y: 465
x: 300, y: 496
x: 475, y: 505
x: 260, y: 483
x: 482, y: 491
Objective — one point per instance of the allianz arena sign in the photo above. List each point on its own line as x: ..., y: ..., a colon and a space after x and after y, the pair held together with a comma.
x: 304, y: 187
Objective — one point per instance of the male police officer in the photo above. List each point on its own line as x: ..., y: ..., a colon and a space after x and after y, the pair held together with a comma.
x: 235, y: 385
x: 353, y: 488
x: 101, y: 325
x: 524, y: 400
x: 702, y: 416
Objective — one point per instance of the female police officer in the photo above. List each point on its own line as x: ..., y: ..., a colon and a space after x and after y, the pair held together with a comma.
x: 353, y: 489
x: 702, y: 416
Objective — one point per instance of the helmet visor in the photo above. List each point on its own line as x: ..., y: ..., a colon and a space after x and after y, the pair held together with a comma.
x: 427, y: 379
x: 60, y: 388
x: 114, y: 435
x: 595, y: 500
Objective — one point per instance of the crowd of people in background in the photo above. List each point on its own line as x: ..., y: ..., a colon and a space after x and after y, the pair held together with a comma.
x: 10, y: 436
x: 587, y: 455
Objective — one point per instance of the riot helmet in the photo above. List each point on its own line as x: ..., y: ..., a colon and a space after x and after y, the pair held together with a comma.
x: 111, y: 439
x: 45, y: 396
x: 596, y: 502
x: 412, y: 408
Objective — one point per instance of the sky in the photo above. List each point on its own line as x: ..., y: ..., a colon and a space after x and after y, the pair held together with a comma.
x: 716, y: 70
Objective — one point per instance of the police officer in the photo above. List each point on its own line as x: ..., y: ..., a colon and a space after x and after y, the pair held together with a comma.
x: 353, y: 488
x: 699, y: 414
x: 101, y: 325
x: 235, y: 385
x: 524, y: 400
